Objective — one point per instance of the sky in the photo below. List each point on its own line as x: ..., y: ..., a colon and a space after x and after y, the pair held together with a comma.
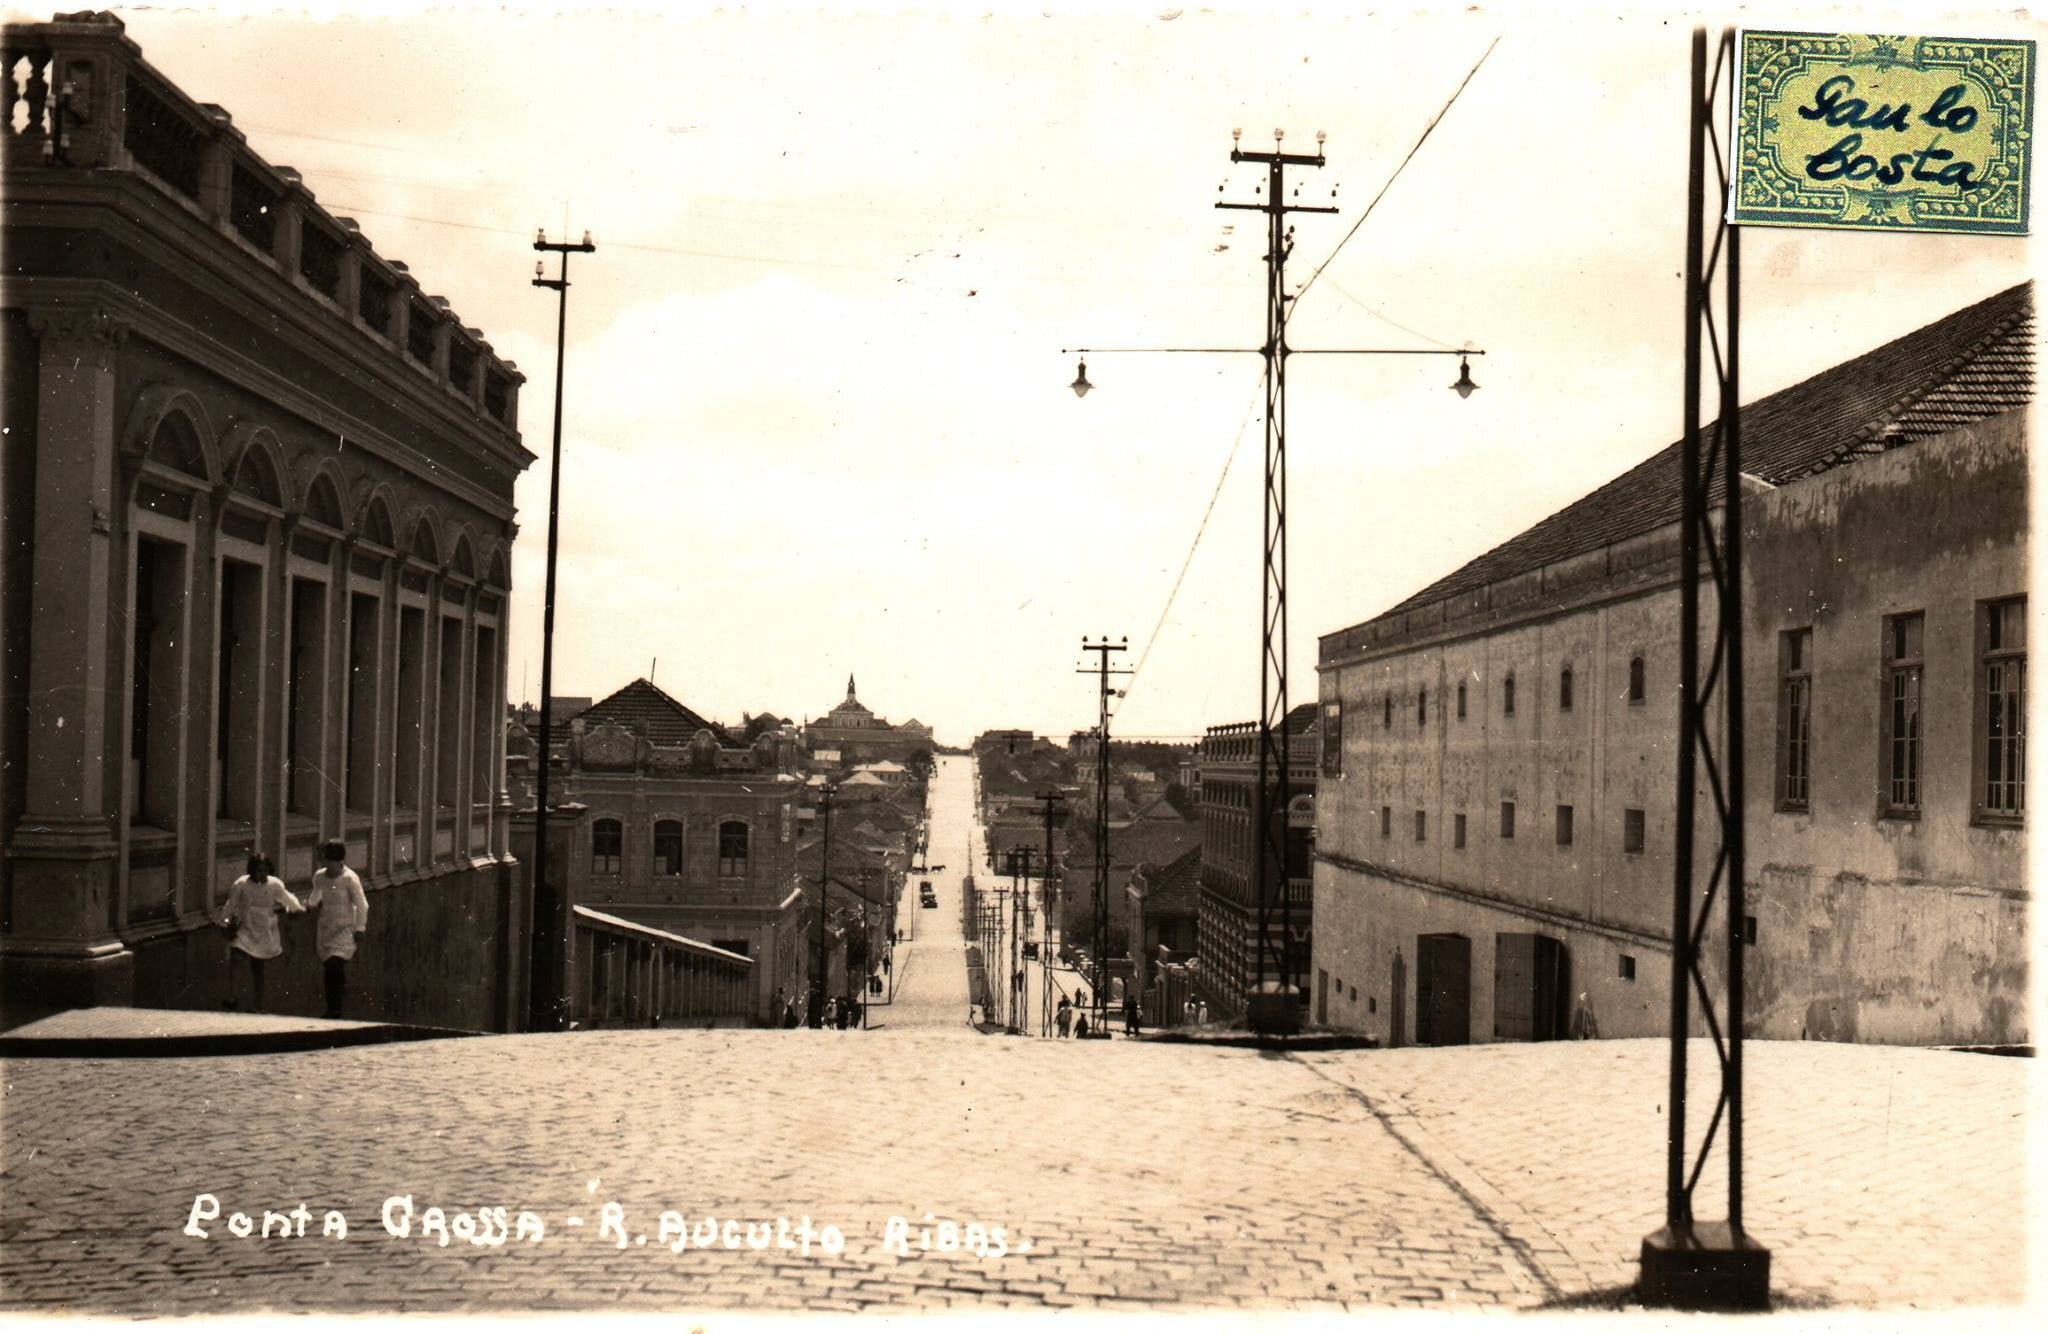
x: 816, y: 416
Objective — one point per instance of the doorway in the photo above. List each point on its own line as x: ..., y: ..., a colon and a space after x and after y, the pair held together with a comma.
x: 1443, y: 990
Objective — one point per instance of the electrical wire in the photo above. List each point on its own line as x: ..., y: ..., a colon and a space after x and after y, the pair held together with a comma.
x: 1236, y: 442
x: 1302, y: 291
x: 1385, y: 318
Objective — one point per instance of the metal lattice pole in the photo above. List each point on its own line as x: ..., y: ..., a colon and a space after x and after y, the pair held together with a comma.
x: 1273, y: 968
x: 1690, y: 1263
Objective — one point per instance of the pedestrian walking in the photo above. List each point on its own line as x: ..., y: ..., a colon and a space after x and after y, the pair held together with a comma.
x: 1081, y: 1026
x: 1130, y: 1014
x: 344, y: 916
x: 1080, y: 998
x: 1064, y: 1019
x: 1187, y: 1012
x: 887, y: 964
x: 789, y: 1014
x: 250, y: 920
x: 1202, y: 1012
x: 844, y: 1013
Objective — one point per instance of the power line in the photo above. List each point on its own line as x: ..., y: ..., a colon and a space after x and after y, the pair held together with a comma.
x: 1302, y: 291
x: 621, y: 245
x: 1200, y: 529
x: 1385, y: 318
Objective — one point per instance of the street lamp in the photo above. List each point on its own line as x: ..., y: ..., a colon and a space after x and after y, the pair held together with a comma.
x: 1080, y: 386
x: 1464, y: 386
x: 548, y: 1005
x: 824, y: 875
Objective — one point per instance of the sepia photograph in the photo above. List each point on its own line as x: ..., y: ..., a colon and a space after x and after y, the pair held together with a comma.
x: 1246, y: 664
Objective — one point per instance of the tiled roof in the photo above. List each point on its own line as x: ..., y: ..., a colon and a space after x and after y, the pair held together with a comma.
x: 643, y: 704
x: 1174, y: 890
x: 1974, y: 364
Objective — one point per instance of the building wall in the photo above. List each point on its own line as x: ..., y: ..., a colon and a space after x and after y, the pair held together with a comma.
x: 1883, y: 930
x: 242, y: 491
x: 1875, y: 927
x: 701, y: 904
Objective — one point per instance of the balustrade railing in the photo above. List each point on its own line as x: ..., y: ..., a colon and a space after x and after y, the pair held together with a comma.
x: 626, y: 975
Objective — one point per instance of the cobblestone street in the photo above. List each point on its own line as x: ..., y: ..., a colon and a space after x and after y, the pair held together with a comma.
x: 1121, y: 1173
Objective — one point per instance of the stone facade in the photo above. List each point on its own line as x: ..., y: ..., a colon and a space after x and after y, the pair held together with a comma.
x: 258, y: 506
x: 696, y: 836
x: 1496, y: 827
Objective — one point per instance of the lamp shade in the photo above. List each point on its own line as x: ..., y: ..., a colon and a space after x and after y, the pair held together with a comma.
x: 1464, y: 386
x: 1080, y: 386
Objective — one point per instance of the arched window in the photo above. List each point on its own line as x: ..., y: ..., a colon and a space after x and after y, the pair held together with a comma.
x: 1507, y: 695
x: 668, y: 847
x: 607, y: 846
x: 1635, y: 680
x: 1564, y: 690
x: 1422, y: 706
x: 732, y: 848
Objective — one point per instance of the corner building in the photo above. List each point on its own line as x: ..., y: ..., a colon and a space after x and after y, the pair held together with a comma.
x: 254, y: 564
x: 1496, y: 813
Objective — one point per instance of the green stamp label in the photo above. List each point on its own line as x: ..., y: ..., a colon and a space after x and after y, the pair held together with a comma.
x: 1924, y: 134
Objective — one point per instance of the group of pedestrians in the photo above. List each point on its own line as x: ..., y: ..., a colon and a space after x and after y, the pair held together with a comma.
x: 259, y: 898
x: 1072, y: 1017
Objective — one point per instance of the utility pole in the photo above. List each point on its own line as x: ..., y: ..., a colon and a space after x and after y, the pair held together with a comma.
x: 1103, y: 671
x: 1050, y: 796
x: 867, y: 878
x: 1275, y: 973
x: 1690, y: 1263
x: 548, y: 994
x: 1274, y: 1001
x: 817, y: 1017
x: 1020, y: 865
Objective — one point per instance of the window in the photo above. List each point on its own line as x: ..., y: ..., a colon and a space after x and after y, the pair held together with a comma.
x: 1458, y: 830
x: 2003, y: 708
x: 1564, y: 826
x: 1333, y: 737
x: 1631, y: 830
x: 668, y: 847
x: 1628, y: 967
x: 607, y: 846
x: 1419, y: 818
x: 732, y: 848
x: 1564, y: 691
x: 1507, y: 695
x: 1795, y: 711
x: 1748, y: 930
x: 1421, y: 706
x: 1507, y: 819
x: 1461, y: 699
x: 1902, y: 665
x: 1635, y: 680
x: 1387, y: 711
x: 1795, y: 718
x: 1386, y: 821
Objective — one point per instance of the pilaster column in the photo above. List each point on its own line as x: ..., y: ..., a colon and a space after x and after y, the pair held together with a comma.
x: 63, y: 848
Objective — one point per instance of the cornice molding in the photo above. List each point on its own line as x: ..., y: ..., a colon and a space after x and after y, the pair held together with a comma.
x: 40, y: 294
x: 175, y: 234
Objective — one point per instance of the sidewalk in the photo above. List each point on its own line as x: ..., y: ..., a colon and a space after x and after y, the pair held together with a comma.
x: 113, y: 1031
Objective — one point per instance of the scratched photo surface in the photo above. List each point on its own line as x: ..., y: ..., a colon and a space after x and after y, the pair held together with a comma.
x: 789, y: 659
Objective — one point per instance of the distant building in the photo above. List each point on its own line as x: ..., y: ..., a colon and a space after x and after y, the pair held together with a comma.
x: 1497, y: 816
x: 684, y: 830
x: 1165, y: 910
x: 852, y: 734
x: 1228, y: 945
x: 256, y: 517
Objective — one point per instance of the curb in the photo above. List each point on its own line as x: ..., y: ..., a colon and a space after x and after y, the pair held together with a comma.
x: 219, y: 1044
x: 1252, y: 1041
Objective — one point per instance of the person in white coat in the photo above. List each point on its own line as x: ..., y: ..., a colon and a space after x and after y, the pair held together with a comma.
x: 344, y: 916
x: 250, y: 919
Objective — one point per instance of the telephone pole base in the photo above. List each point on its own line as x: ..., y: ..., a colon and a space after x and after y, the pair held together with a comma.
x: 1704, y: 1267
